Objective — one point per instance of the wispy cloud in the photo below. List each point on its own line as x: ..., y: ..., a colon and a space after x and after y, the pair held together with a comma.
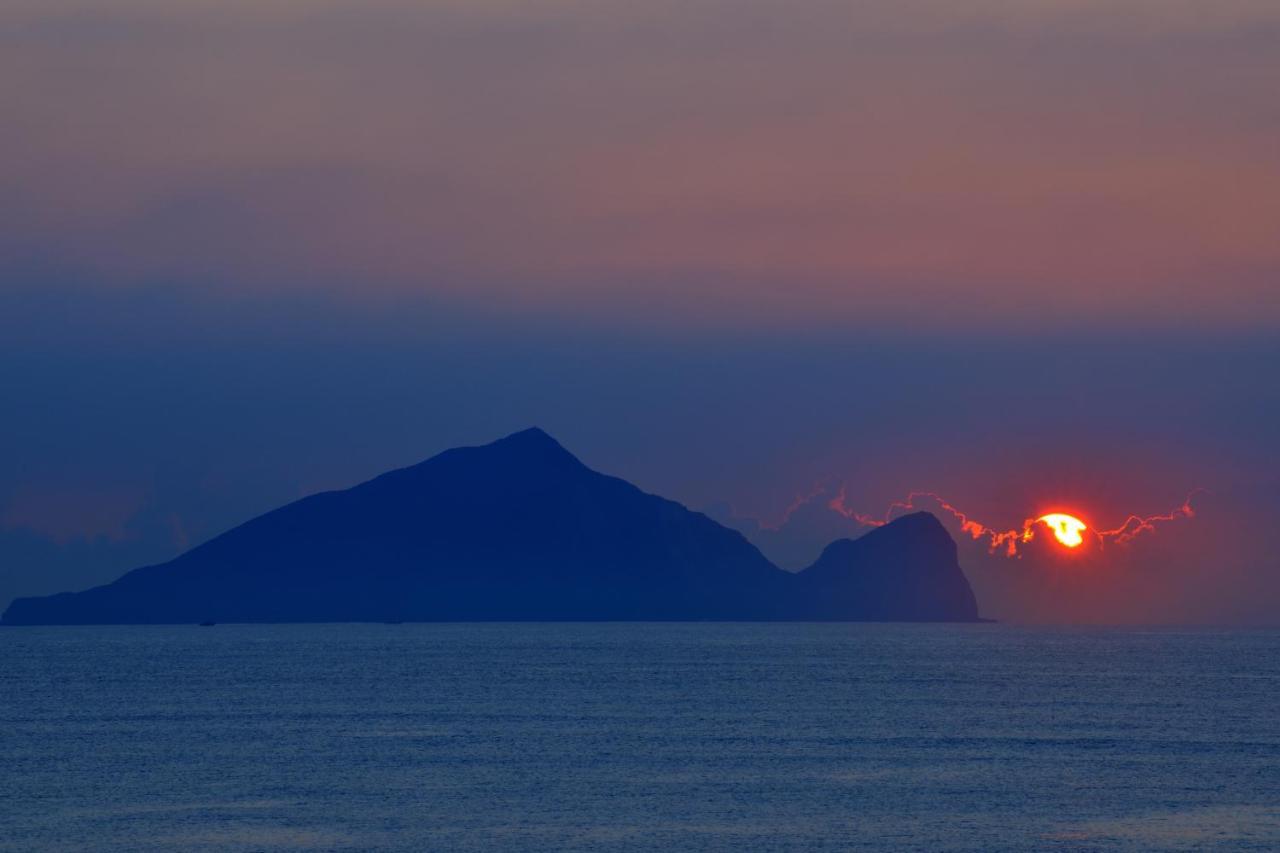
x: 1026, y: 163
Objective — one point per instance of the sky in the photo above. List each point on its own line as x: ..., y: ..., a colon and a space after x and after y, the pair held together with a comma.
x: 1021, y: 255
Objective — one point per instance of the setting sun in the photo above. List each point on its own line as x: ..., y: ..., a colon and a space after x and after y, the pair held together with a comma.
x: 1066, y: 528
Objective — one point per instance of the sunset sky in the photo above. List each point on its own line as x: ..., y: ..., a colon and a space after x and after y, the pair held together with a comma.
x: 1025, y: 255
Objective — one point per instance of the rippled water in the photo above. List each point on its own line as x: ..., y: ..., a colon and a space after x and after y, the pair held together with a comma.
x: 655, y: 736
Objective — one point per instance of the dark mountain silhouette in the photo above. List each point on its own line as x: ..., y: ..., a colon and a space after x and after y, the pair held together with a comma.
x: 515, y: 530
x: 908, y: 568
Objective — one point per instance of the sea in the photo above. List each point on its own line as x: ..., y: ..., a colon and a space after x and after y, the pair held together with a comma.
x: 659, y: 736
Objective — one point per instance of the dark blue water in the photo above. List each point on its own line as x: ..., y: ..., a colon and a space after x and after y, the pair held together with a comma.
x: 657, y: 736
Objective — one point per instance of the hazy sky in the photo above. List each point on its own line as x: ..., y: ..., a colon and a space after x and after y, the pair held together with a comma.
x: 1016, y: 253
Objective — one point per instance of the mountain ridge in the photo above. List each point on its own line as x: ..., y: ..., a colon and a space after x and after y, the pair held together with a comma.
x: 518, y: 529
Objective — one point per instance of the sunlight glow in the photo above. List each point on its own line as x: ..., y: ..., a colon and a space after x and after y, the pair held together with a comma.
x: 1066, y: 528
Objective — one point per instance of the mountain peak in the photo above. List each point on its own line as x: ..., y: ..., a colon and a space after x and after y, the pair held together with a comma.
x: 917, y: 531
x: 532, y: 444
x: 532, y: 437
x: 908, y: 566
x: 917, y: 524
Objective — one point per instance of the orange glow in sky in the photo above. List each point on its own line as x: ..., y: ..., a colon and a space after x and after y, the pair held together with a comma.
x: 1067, y: 529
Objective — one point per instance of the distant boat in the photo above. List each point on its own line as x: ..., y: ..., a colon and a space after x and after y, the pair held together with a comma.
x: 207, y: 624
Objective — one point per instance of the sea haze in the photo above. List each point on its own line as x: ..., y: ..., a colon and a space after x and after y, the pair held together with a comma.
x: 638, y: 736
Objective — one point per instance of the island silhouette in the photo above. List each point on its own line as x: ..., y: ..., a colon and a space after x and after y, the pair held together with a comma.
x: 516, y: 530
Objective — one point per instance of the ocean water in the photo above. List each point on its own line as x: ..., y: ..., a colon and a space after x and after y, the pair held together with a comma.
x: 638, y: 737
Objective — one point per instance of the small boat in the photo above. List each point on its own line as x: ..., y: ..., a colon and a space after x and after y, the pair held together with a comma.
x: 207, y: 624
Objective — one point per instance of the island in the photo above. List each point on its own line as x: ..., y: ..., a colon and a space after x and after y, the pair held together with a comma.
x: 516, y: 530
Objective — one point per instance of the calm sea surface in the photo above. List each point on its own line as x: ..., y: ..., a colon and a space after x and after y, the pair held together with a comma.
x: 653, y: 736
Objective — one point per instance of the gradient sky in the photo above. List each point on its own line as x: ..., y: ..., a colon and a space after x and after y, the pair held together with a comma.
x: 1021, y: 254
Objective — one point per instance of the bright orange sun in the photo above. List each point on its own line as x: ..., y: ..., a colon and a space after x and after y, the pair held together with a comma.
x: 1066, y: 528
